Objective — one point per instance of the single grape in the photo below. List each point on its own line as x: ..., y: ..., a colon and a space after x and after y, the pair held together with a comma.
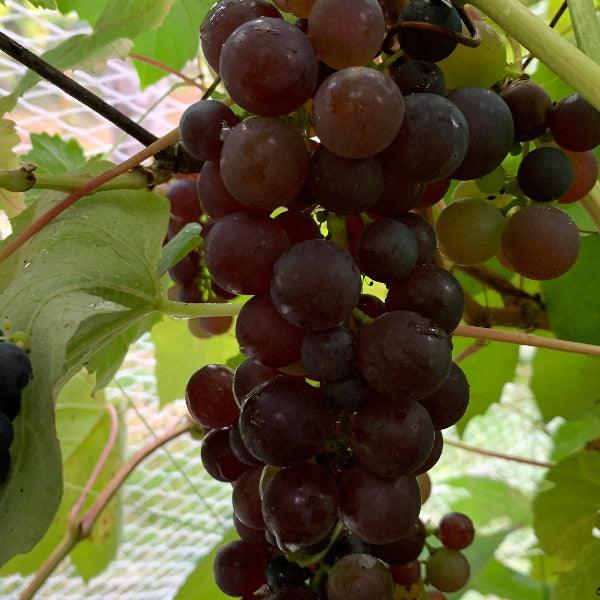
x: 218, y: 459
x: 7, y: 432
x: 404, y: 356
x: 456, y: 531
x: 285, y: 421
x: 447, y: 570
x: 190, y: 294
x: 186, y: 270
x: 407, y: 573
x: 239, y: 568
x: 360, y: 577
x: 575, y: 124
x: 300, y: 8
x: 357, y: 112
x: 432, y: 292
x: 469, y: 231
x: 239, y: 448
x: 247, y: 504
x: 423, y: 44
x: 269, y: 67
x: 300, y: 506
x: 282, y: 573
x: 215, y: 199
x: 480, y: 67
x: 434, y: 455
x: 315, y: 285
x: 377, y: 509
x: 298, y: 227
x: 585, y: 175
x: 406, y: 548
x: 491, y: 131
x: 424, y: 234
x: 329, y: 354
x: 345, y: 544
x: 529, y: 104
x: 540, y: 242
x: 292, y: 593
x: 209, y: 397
x: 202, y: 125
x: 343, y: 185
x: 216, y: 325
x: 247, y: 534
x: 432, y: 141
x: 387, y: 250
x: 348, y: 394
x: 264, y: 163
x: 346, y: 33
x: 450, y: 401
x: 224, y: 18
x: 241, y: 251
x: 371, y: 305
x: 183, y: 196
x: 10, y: 405
x: 400, y: 194
x: 15, y: 370
x: 391, y: 439
x: 265, y: 336
x: 418, y: 76
x: 545, y: 174
x: 248, y: 376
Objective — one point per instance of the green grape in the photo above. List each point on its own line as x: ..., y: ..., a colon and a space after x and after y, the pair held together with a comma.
x: 447, y: 570
x: 476, y: 67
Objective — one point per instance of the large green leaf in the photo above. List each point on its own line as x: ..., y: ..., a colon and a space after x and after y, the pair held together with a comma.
x: 89, y: 276
x: 89, y: 10
x: 12, y: 203
x: 179, y: 355
x: 52, y: 154
x: 566, y: 513
x: 573, y: 436
x: 565, y: 385
x: 583, y: 581
x: 83, y: 427
x: 488, y: 371
x: 572, y: 300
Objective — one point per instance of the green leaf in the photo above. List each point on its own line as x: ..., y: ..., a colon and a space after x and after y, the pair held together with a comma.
x: 83, y: 427
x: 565, y: 385
x: 51, y: 154
x: 89, y: 10
x: 201, y: 582
x: 583, y: 580
x: 179, y: 355
x: 565, y: 514
x: 573, y: 436
x: 180, y: 246
x: 86, y: 278
x: 12, y: 203
x: 488, y: 371
x: 50, y: 4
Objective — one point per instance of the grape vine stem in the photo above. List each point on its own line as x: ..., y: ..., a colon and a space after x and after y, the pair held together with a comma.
x: 162, y: 67
x: 81, y: 530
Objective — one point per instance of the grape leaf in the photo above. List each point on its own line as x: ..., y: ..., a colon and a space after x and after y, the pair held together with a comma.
x: 565, y: 385
x: 54, y: 155
x: 583, y: 581
x: 573, y: 436
x: 12, y: 203
x: 565, y: 514
x: 179, y: 355
x: 572, y: 300
x: 86, y: 278
x: 83, y: 428
x: 89, y: 10
x: 488, y: 370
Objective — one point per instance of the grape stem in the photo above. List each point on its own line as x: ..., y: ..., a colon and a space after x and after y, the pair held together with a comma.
x: 166, y: 68
x: 82, y: 528
x: 586, y: 27
x: 181, y: 310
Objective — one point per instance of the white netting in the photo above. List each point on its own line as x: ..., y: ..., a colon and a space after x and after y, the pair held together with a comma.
x: 173, y: 512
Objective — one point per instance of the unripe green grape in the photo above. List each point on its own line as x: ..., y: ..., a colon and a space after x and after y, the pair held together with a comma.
x: 447, y: 570
x: 482, y: 66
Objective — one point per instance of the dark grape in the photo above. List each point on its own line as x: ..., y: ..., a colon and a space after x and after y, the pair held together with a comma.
x: 239, y: 568
x: 298, y: 227
x: 450, y: 401
x: 249, y: 375
x: 216, y: 325
x: 300, y: 8
x: 377, y: 509
x: 456, y: 531
x: 247, y: 534
x: 391, y: 439
x: 357, y: 112
x: 371, y: 306
x: 247, y: 505
x: 343, y: 185
x: 10, y: 405
x: 241, y: 251
x: 404, y: 355
x: 300, y: 505
x: 575, y: 124
x: 284, y: 422
x: 269, y: 67
x: 209, y: 397
x: 15, y: 370
x: 224, y: 18
x: 215, y: 199
x: 360, y: 577
x: 491, y: 131
x: 419, y: 76
x: 202, y: 126
x: 540, y: 242
x: 428, y: 45
x: 292, y: 593
x: 265, y: 336
x: 315, y: 285
x: 529, y: 104
x: 264, y: 163
x: 190, y: 294
x: 346, y: 33
x: 239, y: 448
x: 405, y: 549
x: 387, y: 250
x: 432, y: 141
x: 432, y: 292
x: 434, y: 192
x: 424, y: 234
x: 407, y: 573
x: 329, y: 354
x: 434, y: 455
x: 282, y: 573
x: 348, y: 394
x: 585, y: 174
x: 186, y: 270
x: 346, y: 543
x: 447, y: 570
x: 545, y: 174
x: 400, y: 195
x: 183, y: 196
x: 218, y: 459
x: 7, y: 432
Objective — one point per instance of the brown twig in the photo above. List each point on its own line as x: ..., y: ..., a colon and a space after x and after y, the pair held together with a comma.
x: 495, y: 281
x: 167, y: 69
x: 470, y: 350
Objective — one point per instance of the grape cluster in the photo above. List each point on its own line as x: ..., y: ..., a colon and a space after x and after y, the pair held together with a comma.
x: 15, y: 374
